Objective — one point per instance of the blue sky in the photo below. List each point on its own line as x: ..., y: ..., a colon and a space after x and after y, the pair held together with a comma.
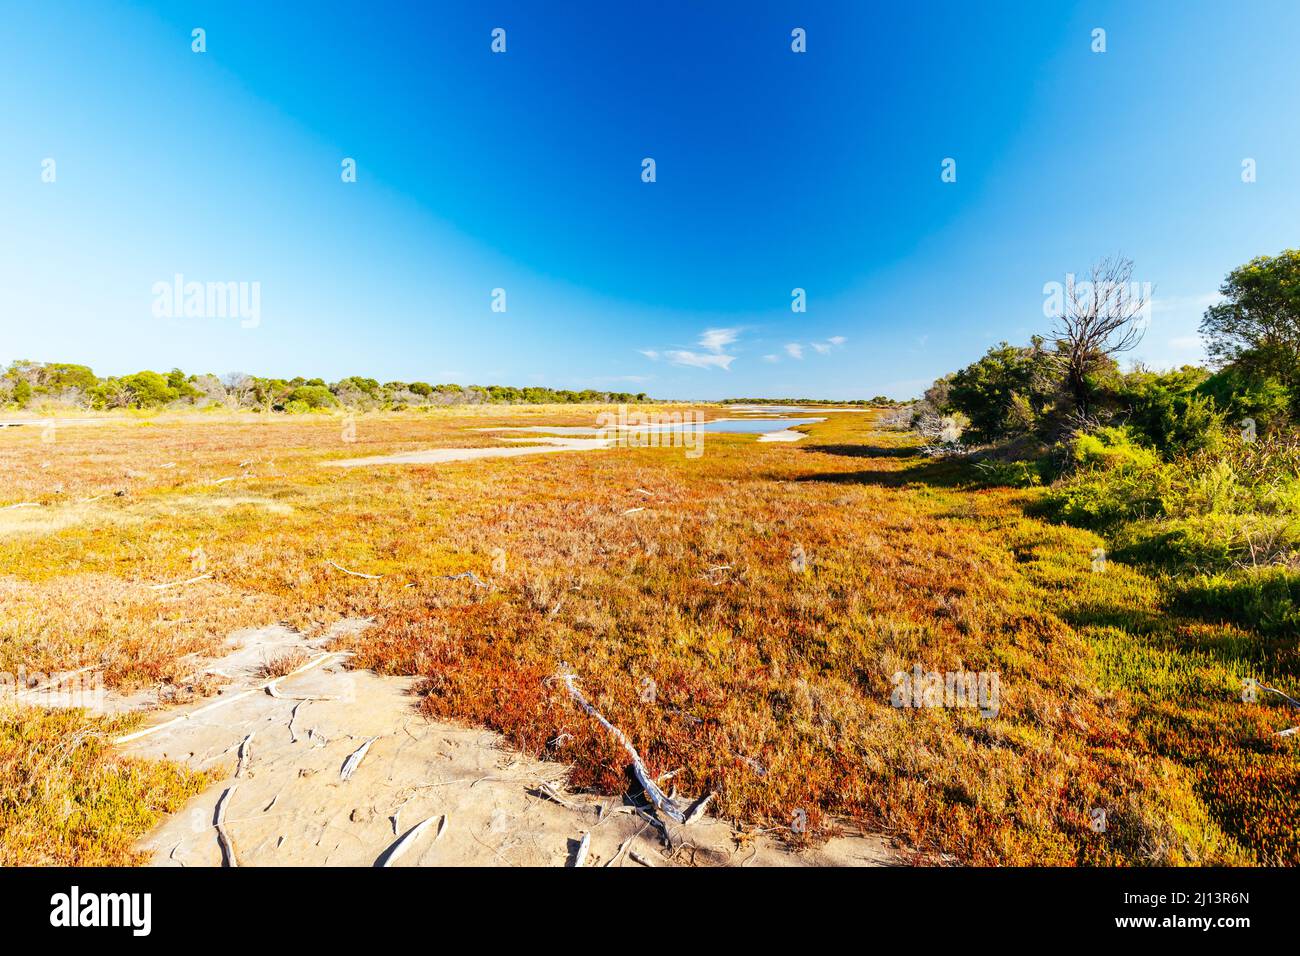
x: 522, y: 171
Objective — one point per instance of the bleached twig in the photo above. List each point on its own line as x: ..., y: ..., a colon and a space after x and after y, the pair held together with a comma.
x: 355, y: 574
x: 315, y: 662
x: 22, y: 504
x: 389, y: 856
x: 354, y: 760
x: 293, y: 715
x: 661, y: 802
x: 580, y: 857
x: 473, y: 578
x: 245, y: 752
x: 223, y: 838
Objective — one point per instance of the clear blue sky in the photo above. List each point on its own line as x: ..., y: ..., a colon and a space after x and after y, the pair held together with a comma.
x: 522, y: 171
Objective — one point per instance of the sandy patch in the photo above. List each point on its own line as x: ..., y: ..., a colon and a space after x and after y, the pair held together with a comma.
x: 783, y: 435
x: 286, y: 801
x: 436, y: 456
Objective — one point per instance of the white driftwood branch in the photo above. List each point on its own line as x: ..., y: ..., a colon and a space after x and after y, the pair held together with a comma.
x: 657, y: 796
x: 316, y: 662
x: 354, y: 760
x: 473, y: 578
x: 580, y: 857
x: 355, y: 574
x: 389, y: 856
x: 224, y: 841
x: 245, y: 754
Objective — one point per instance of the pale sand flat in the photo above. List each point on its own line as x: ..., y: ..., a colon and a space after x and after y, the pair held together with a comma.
x: 435, y: 456
x: 291, y: 806
x: 784, y: 435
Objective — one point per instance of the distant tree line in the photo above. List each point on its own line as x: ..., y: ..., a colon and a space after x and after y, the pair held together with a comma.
x: 26, y: 384
x: 880, y: 401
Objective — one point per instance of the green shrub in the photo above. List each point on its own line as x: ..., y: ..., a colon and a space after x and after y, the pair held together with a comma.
x: 1012, y: 474
x: 313, y: 396
x: 1109, y: 448
x: 1266, y: 600
x: 1245, y: 395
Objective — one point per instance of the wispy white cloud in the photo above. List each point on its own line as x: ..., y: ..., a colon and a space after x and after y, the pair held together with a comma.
x: 699, y: 359
x: 771, y: 358
x: 712, y: 341
x: 715, y: 340
x: 796, y: 349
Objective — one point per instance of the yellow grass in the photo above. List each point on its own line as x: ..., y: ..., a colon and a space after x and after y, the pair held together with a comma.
x: 685, y: 621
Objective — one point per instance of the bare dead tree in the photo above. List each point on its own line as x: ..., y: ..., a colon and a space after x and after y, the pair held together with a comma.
x: 1101, y: 317
x: 239, y: 388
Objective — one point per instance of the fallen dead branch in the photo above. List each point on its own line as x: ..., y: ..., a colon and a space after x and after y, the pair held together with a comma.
x: 580, y: 857
x: 245, y: 752
x: 661, y: 801
x: 390, y: 856
x: 224, y: 841
x: 293, y: 715
x: 1290, y: 731
x: 355, y: 574
x: 470, y: 575
x: 354, y: 760
x: 316, y: 662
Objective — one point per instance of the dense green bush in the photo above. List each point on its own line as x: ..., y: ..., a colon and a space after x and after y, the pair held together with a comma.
x: 1267, y: 600
x: 312, y: 396
x: 1002, y: 394
x: 1168, y: 412
x: 1243, y: 395
x: 1237, y: 504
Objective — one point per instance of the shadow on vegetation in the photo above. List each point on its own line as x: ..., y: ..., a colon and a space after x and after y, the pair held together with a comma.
x: 865, y: 451
x: 935, y: 472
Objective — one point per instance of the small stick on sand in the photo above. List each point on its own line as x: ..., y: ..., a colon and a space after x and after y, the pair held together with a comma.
x: 356, y: 574
x: 293, y: 715
x: 223, y: 838
x: 245, y: 752
x: 389, y: 856
x: 127, y: 738
x: 632, y: 511
x: 580, y: 857
x: 549, y: 791
x: 22, y: 504
x: 638, y: 858
x: 354, y: 760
